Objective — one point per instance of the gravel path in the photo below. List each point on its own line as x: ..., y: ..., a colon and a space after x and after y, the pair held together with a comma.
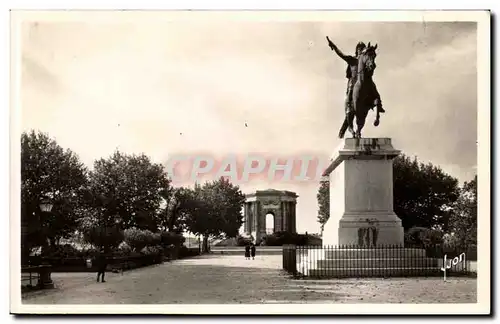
x: 232, y: 279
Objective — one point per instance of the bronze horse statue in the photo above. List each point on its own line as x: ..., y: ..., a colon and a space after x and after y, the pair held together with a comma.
x: 365, y: 95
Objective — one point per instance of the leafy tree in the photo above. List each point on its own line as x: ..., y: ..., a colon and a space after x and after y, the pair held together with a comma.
x: 463, y: 222
x: 128, y: 187
x: 172, y: 216
x: 323, y: 197
x: 215, y: 209
x: 47, y: 170
x: 423, y: 195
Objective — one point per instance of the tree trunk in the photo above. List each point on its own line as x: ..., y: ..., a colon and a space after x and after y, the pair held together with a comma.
x: 44, y: 248
x: 172, y: 220
x: 25, y: 254
x: 205, y: 244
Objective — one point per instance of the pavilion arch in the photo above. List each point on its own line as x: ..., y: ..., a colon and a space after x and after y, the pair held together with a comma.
x: 270, y: 220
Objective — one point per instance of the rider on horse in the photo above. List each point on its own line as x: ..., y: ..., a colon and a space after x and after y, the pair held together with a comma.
x: 351, y: 74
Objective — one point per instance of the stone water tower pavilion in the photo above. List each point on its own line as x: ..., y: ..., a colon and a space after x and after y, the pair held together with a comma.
x: 281, y: 204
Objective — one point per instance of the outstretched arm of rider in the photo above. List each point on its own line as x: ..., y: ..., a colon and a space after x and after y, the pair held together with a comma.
x: 336, y: 50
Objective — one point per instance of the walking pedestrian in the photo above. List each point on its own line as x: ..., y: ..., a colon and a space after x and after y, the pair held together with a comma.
x: 102, y: 263
x: 252, y: 250
x: 247, y: 252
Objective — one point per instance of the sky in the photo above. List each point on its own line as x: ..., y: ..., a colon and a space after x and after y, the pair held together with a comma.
x: 227, y: 87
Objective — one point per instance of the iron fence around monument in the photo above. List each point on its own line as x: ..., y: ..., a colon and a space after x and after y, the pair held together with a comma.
x: 380, y: 261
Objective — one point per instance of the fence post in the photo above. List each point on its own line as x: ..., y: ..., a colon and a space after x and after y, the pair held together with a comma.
x: 290, y: 258
x: 284, y: 257
x: 293, y: 259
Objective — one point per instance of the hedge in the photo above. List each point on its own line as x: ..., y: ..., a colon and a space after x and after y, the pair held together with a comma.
x: 80, y: 264
x: 121, y: 258
x: 282, y: 238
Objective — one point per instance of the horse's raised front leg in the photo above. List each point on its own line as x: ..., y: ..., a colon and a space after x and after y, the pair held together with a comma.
x: 378, y: 105
x: 377, y: 119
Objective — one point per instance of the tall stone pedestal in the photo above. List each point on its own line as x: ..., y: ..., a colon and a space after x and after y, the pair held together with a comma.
x: 363, y: 236
x: 361, y: 195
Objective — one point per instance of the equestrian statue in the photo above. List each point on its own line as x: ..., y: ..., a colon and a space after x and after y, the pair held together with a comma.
x: 362, y: 94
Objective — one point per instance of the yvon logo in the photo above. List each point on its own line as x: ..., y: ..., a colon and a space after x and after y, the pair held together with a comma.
x: 454, y: 262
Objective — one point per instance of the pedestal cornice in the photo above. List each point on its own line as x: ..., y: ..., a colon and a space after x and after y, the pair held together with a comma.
x: 362, y: 149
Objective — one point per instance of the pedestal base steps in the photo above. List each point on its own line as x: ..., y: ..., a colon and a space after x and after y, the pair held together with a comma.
x: 339, y: 262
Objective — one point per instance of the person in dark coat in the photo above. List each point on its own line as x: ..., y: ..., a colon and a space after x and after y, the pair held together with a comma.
x: 247, y: 252
x: 102, y: 263
x: 252, y: 251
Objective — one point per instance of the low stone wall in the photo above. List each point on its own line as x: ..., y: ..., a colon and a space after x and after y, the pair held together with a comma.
x: 235, y: 250
x: 378, y: 262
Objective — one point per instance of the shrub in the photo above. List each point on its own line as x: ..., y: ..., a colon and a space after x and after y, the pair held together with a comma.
x: 233, y: 241
x: 138, y: 239
x: 314, y: 240
x: 63, y: 251
x: 413, y: 235
x: 123, y: 249
x: 90, y: 253
x: 431, y: 237
x: 155, y: 239
x: 244, y: 240
x: 152, y: 250
x: 281, y: 238
x: 103, y: 236
x: 171, y: 238
x: 421, y: 236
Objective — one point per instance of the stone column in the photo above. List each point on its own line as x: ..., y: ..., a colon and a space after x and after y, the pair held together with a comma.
x: 257, y: 221
x: 276, y: 220
x: 294, y: 217
x: 246, y: 226
x: 262, y: 220
x: 251, y: 218
x: 280, y: 223
x: 255, y: 216
x: 285, y: 216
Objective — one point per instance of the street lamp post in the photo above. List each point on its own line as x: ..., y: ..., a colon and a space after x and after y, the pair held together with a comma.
x: 118, y: 224
x: 45, y: 208
x: 46, y: 205
x: 45, y: 280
